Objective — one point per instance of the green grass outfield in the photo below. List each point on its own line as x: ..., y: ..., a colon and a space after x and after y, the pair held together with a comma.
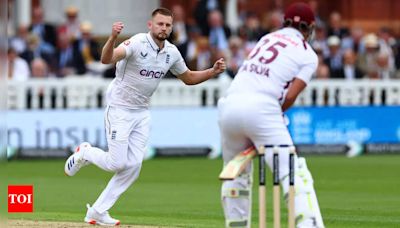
x: 185, y: 192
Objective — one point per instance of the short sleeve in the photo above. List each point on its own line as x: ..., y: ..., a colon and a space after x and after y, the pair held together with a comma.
x: 129, y: 45
x: 308, y: 68
x: 179, y: 67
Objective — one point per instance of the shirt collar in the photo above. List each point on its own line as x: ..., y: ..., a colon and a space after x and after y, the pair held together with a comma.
x: 153, y: 43
x: 293, y: 31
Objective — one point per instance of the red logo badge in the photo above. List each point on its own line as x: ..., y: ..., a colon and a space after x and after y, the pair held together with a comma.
x: 20, y: 198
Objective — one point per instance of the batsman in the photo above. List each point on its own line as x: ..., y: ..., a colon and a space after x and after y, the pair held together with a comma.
x: 266, y: 85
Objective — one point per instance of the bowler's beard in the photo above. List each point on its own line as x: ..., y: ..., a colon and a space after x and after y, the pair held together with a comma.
x: 161, y: 36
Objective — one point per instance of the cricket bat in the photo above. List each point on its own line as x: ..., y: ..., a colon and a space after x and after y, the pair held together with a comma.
x: 236, y: 166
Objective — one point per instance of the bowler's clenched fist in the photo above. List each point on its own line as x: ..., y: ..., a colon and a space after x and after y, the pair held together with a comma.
x: 117, y: 28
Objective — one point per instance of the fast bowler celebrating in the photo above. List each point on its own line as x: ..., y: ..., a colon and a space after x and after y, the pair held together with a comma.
x: 142, y: 61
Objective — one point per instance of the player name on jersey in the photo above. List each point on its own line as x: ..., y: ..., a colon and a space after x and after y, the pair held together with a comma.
x: 254, y: 68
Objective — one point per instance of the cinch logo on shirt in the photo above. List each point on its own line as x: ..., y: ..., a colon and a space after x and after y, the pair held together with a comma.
x: 151, y: 74
x: 20, y: 198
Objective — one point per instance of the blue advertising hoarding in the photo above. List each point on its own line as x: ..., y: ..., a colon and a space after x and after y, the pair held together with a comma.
x: 339, y: 125
x: 198, y: 127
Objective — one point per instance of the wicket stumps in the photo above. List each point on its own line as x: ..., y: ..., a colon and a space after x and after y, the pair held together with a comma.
x: 276, y: 187
x: 262, y: 204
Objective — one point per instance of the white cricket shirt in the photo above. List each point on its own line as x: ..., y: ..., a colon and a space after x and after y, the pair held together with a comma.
x: 274, y: 62
x: 140, y: 72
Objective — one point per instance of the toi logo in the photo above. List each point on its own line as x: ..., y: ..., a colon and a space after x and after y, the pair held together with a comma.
x: 20, y: 198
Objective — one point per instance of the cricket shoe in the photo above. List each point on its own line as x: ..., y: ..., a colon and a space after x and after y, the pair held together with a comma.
x: 102, y: 219
x: 75, y: 162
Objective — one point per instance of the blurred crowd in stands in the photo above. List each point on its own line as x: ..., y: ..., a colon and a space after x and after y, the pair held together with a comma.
x: 42, y: 49
x: 45, y: 50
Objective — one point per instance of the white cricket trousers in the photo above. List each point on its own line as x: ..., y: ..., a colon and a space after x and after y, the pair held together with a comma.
x: 248, y: 119
x: 127, y: 132
x: 256, y: 119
